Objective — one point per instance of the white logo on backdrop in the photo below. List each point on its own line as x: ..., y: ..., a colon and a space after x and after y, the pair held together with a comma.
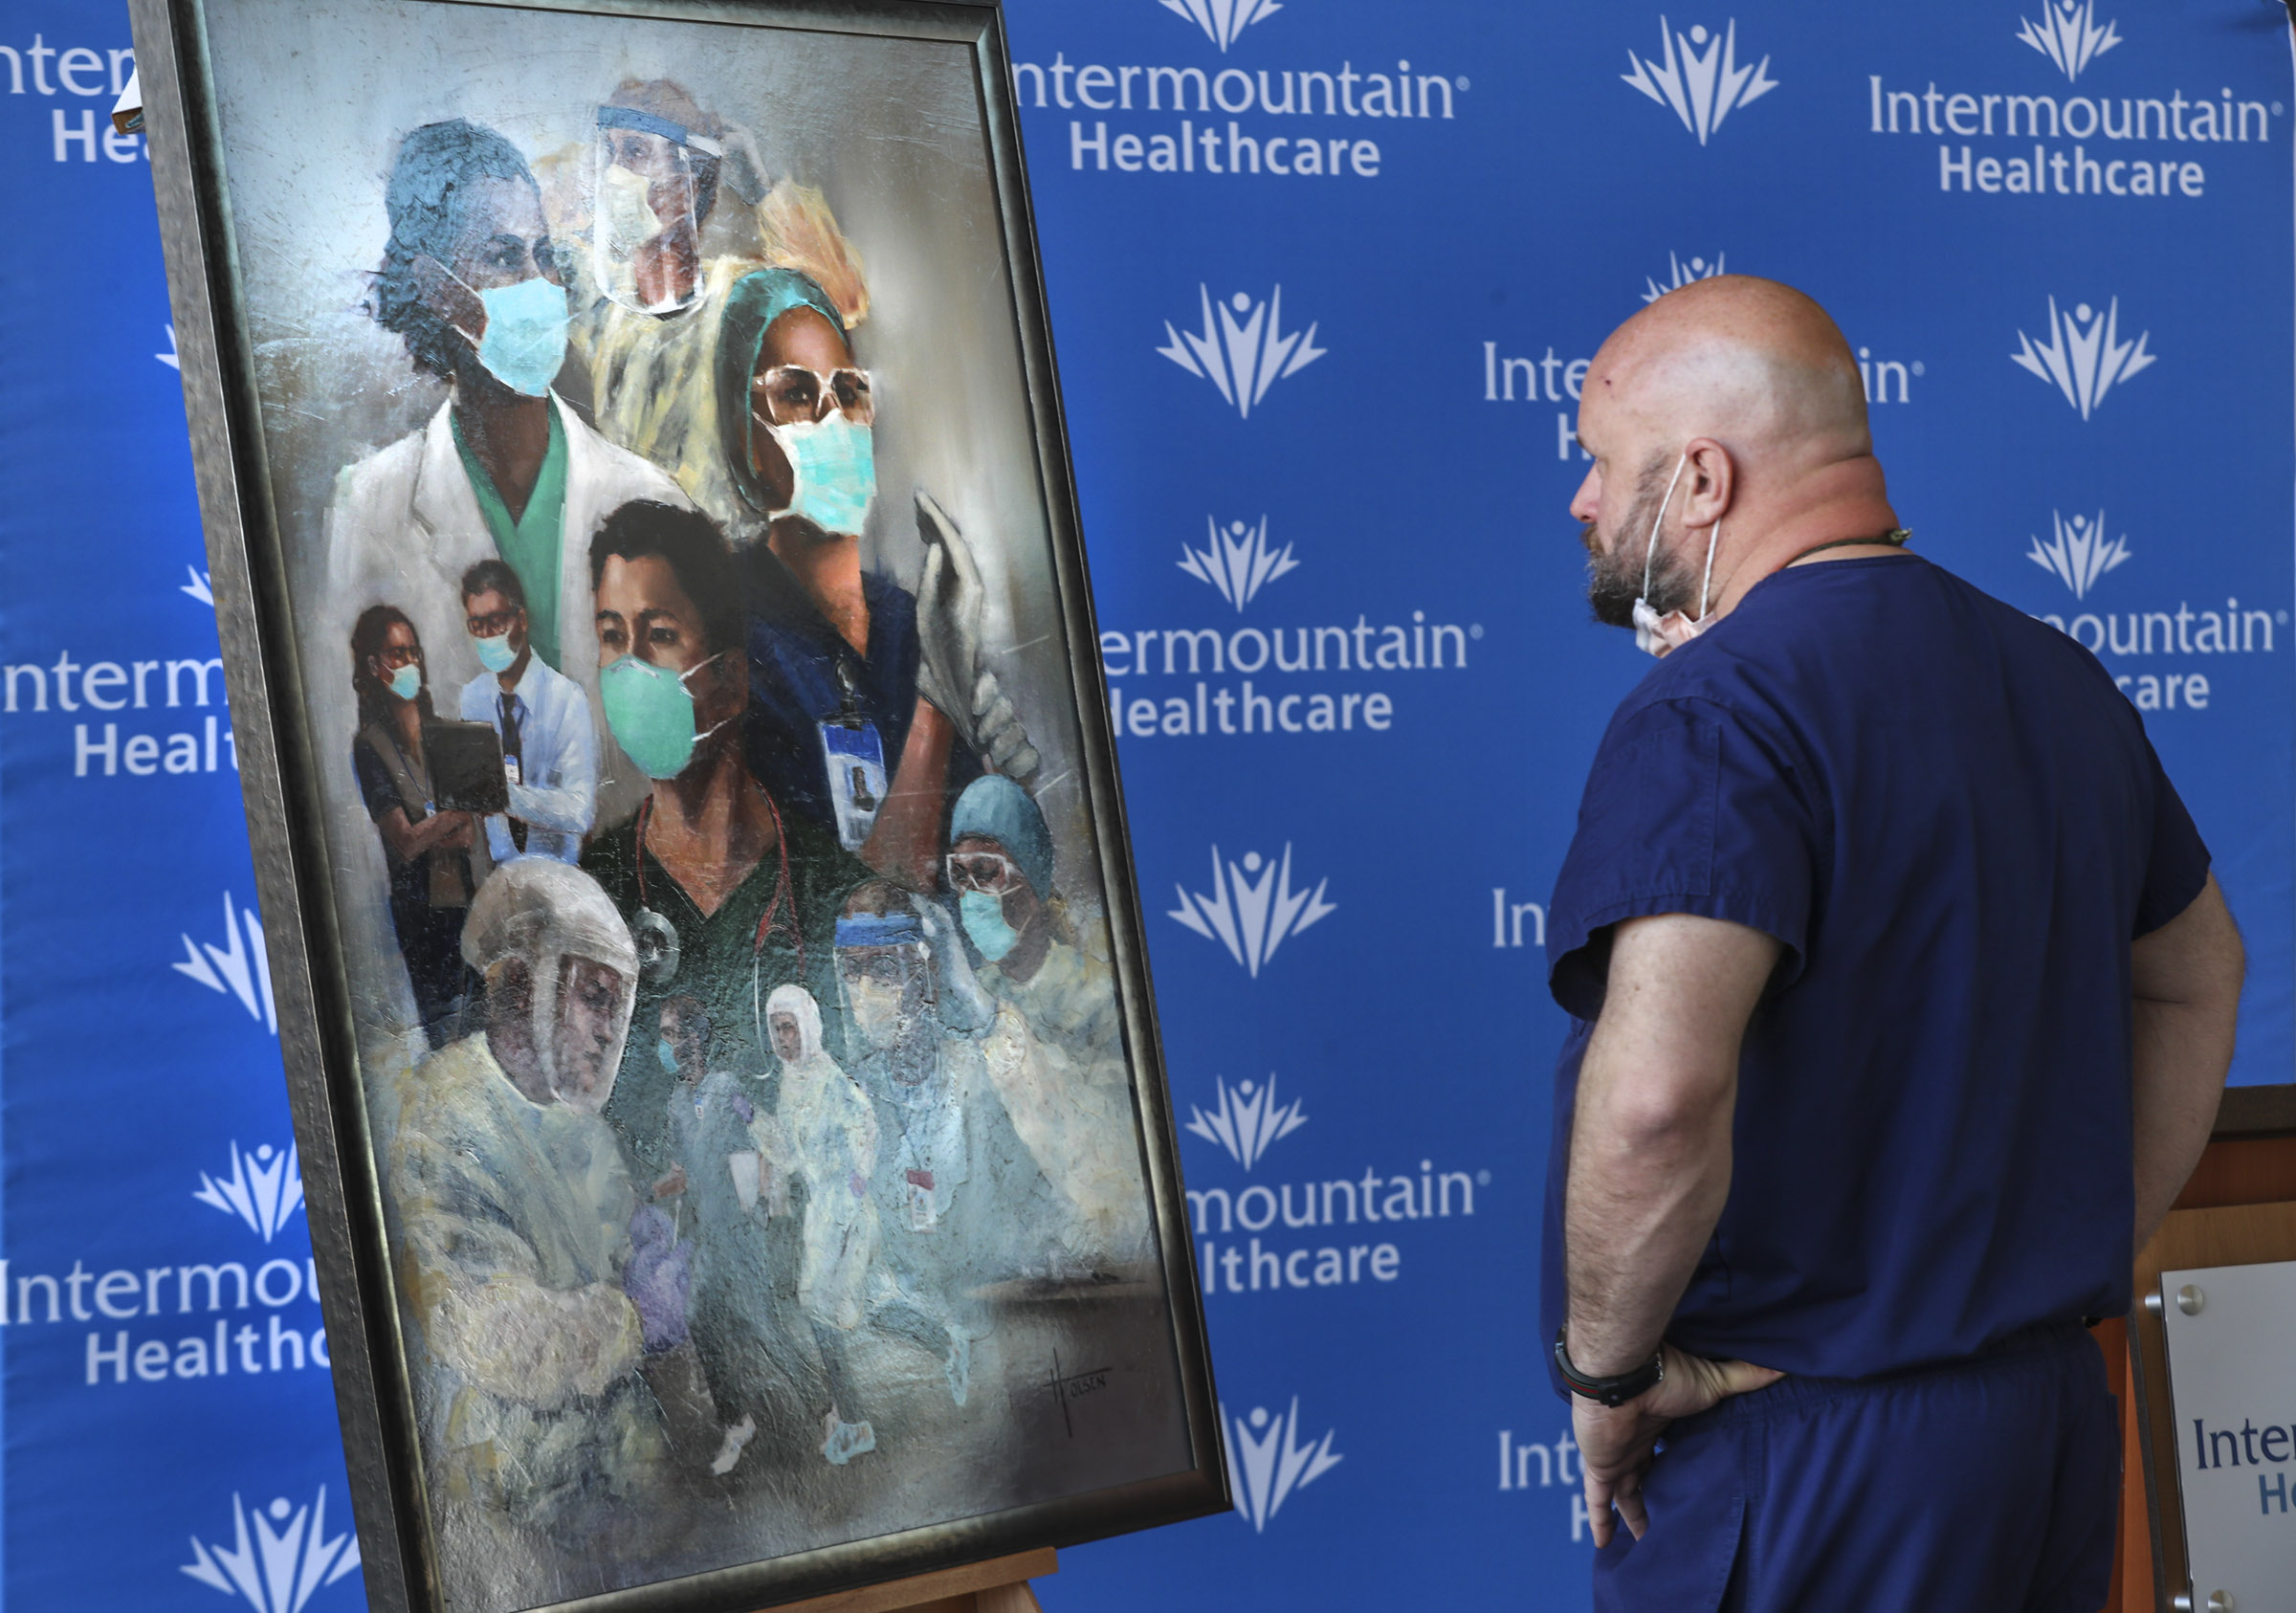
x: 1266, y: 1462
x: 280, y: 1570
x: 1238, y: 561
x: 236, y: 969
x: 262, y: 1190
x: 2077, y: 554
x: 1682, y: 273
x: 1222, y: 20
x: 2067, y: 34
x: 1253, y: 909
x: 1244, y: 1121
x: 2085, y: 354
x: 171, y: 358
x: 200, y: 587
x: 1703, y: 87
x: 1243, y: 350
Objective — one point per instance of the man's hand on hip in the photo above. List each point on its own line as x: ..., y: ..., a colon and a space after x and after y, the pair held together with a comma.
x: 1615, y: 1444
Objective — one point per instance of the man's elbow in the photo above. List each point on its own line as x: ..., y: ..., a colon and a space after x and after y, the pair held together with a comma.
x: 1661, y: 1113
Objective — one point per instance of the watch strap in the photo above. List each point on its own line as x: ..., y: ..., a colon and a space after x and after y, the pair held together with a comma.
x: 1612, y: 1391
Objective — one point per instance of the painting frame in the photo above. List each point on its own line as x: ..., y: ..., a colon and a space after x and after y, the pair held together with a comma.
x: 309, y: 965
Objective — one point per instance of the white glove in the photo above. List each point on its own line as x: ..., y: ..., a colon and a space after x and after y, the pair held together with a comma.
x: 952, y: 674
x: 966, y: 1006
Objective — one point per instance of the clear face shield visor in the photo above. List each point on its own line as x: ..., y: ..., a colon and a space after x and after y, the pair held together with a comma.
x: 646, y: 226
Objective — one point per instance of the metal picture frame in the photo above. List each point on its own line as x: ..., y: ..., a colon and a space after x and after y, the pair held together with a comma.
x: 269, y: 675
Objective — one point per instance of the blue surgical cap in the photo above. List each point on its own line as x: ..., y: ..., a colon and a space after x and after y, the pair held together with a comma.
x: 995, y: 807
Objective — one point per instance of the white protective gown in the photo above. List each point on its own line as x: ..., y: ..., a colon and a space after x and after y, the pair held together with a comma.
x: 825, y: 1133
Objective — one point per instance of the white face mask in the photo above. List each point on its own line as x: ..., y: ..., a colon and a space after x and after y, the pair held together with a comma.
x: 1656, y: 635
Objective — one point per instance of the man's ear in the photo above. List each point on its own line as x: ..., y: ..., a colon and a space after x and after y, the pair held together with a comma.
x: 1712, y: 482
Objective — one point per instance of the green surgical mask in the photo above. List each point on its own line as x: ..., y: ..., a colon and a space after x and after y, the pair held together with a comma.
x: 650, y: 711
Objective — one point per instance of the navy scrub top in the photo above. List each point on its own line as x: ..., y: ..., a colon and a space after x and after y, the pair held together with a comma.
x: 794, y: 656
x: 1955, y: 824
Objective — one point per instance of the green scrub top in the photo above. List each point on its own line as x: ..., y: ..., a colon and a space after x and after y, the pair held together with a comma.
x: 534, y: 544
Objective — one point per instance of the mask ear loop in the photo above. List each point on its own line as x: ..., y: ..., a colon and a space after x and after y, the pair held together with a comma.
x: 1707, y: 583
x: 1650, y: 549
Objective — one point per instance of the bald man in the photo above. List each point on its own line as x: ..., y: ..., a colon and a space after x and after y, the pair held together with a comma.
x: 1902, y: 1000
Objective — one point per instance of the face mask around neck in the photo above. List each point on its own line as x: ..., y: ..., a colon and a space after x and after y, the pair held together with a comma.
x: 1655, y: 634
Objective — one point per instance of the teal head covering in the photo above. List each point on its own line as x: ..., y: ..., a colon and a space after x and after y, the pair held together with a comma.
x: 994, y: 806
x: 754, y: 303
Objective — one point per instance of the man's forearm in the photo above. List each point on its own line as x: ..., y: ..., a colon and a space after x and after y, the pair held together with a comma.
x: 1640, y: 1205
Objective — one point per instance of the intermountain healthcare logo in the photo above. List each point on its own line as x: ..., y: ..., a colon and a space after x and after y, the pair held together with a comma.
x: 1266, y: 1462
x: 2067, y: 34
x: 1702, y: 87
x: 1253, y: 909
x: 199, y: 587
x: 1222, y: 20
x: 262, y: 1190
x: 280, y: 1569
x: 1243, y: 350
x: 237, y: 969
x: 2085, y: 355
x: 2078, y: 553
x: 171, y: 358
x: 1239, y: 562
x: 1697, y: 269
x: 1246, y: 1123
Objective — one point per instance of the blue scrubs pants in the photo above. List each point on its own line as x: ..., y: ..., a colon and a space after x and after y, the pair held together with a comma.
x: 1988, y: 1486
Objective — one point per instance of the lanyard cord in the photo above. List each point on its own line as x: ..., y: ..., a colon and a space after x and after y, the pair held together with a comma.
x: 1897, y: 538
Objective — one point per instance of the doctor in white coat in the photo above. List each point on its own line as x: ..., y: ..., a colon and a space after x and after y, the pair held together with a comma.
x: 472, y: 281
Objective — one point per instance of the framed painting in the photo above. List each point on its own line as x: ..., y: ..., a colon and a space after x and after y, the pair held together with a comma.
x: 698, y: 904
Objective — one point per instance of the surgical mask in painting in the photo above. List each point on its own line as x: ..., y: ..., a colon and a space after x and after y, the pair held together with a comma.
x: 650, y: 711
x: 524, y: 341
x: 407, y: 681
x: 984, y: 915
x: 1656, y: 635
x: 667, y: 1052
x: 495, y: 654
x: 834, y: 461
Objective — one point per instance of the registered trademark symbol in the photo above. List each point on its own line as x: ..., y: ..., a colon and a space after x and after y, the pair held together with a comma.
x: 1482, y: 1179
x: 1918, y: 367
x: 2277, y: 108
x: 1463, y: 85
x: 2284, y: 616
x: 1474, y: 630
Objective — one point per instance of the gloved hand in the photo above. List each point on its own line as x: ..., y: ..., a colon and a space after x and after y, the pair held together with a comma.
x: 948, y: 618
x: 658, y: 1279
x: 966, y: 1006
x: 998, y: 737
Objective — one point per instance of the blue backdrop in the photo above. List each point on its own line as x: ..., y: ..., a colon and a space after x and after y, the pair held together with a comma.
x: 1324, y: 276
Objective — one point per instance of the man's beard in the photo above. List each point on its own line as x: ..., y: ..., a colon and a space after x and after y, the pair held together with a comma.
x: 1614, y: 571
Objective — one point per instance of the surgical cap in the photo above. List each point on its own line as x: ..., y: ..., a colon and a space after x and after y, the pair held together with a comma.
x: 994, y: 806
x: 755, y: 301
x: 541, y: 908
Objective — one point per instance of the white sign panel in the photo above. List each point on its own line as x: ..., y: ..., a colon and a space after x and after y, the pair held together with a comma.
x: 2233, y: 1386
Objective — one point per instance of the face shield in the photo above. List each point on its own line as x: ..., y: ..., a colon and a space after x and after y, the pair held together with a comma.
x: 576, y: 952
x: 646, y: 223
x: 885, y: 974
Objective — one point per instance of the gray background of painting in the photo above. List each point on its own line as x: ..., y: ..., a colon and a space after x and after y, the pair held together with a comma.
x: 314, y: 100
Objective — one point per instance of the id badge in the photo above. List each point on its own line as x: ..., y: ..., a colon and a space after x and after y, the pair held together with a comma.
x: 922, y: 1216
x: 855, y: 759
x: 514, y: 772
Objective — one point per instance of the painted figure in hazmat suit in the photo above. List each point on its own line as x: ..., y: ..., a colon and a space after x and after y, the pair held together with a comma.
x: 956, y: 1191
x: 1056, y: 1054
x: 512, y: 1217
x: 824, y: 1134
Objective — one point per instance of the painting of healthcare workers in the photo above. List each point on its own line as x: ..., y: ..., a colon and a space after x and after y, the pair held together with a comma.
x: 757, y: 1083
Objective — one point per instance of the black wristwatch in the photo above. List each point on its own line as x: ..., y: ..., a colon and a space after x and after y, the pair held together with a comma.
x: 1614, y: 1391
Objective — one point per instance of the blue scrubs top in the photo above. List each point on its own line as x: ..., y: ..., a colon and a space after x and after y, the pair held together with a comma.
x: 794, y: 658
x: 1955, y: 824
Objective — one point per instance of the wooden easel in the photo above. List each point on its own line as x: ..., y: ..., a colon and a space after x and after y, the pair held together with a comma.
x: 999, y: 1585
